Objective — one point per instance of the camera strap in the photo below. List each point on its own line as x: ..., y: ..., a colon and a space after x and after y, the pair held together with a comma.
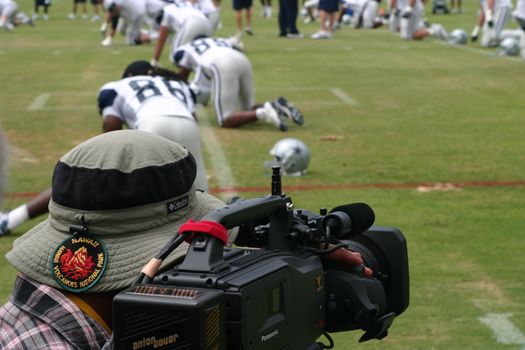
x: 211, y: 228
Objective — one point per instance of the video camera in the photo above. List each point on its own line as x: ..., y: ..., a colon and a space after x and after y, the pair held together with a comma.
x: 281, y: 293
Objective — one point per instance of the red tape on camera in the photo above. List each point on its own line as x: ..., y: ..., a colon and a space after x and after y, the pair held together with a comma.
x: 211, y: 228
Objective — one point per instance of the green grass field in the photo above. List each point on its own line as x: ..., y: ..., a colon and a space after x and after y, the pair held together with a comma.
x: 382, y: 116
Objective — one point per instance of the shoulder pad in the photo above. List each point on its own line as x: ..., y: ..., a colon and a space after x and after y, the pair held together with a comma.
x: 177, y: 56
x: 106, y: 98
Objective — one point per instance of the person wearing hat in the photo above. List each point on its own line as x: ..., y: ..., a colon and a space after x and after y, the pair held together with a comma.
x: 117, y: 199
x: 130, y: 190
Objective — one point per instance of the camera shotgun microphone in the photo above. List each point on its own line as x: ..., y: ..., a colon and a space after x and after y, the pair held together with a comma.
x: 349, y: 219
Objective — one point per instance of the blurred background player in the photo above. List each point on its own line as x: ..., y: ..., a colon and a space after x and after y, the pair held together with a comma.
x: 266, y: 8
x: 154, y: 13
x: 394, y: 15
x: 239, y: 6
x: 211, y: 11
x: 364, y: 13
x: 288, y: 11
x: 219, y: 63
x: 493, y: 16
x: 411, y: 23
x: 97, y: 8
x: 38, y: 4
x: 76, y: 4
x: 133, y: 12
x: 309, y: 11
x: 10, y: 17
x: 327, y: 10
x: 519, y: 15
x: 455, y: 6
x: 186, y: 21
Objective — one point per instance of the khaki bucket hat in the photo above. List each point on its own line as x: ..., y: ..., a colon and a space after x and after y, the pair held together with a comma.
x: 128, y: 191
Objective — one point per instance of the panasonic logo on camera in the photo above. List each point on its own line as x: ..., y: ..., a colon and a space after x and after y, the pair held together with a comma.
x: 269, y: 335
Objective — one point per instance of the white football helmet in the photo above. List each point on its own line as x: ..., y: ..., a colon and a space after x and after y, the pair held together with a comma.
x: 509, y: 46
x: 292, y: 155
x: 458, y: 37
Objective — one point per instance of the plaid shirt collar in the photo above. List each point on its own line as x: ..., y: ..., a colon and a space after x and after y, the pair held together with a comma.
x: 51, y: 307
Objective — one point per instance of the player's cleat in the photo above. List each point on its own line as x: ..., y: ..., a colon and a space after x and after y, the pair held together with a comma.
x: 95, y: 18
x: 294, y: 35
x: 289, y: 110
x: 71, y: 16
x: 322, y: 34
x: 273, y: 116
x: 106, y: 41
x: 4, y: 217
x: 248, y: 30
x: 236, y: 41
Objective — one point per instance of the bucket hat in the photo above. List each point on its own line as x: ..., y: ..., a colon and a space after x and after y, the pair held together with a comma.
x: 117, y: 198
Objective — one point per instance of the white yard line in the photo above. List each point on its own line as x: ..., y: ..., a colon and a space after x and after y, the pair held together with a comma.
x: 39, y: 102
x: 504, y: 330
x: 220, y: 164
x: 343, y: 96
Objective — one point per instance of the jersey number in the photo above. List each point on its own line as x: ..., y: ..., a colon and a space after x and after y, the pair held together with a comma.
x: 202, y: 45
x: 147, y: 88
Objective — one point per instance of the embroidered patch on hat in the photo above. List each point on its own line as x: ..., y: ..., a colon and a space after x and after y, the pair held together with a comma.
x: 79, y: 262
x: 177, y: 204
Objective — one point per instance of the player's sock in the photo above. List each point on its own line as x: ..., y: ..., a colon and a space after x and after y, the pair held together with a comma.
x: 437, y: 31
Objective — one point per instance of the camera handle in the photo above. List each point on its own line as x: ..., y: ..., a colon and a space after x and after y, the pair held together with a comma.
x: 205, y: 253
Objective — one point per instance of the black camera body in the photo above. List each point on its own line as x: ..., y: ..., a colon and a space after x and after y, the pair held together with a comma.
x: 282, y: 294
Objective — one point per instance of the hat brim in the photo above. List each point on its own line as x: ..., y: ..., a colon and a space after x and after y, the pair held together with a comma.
x: 127, y: 254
